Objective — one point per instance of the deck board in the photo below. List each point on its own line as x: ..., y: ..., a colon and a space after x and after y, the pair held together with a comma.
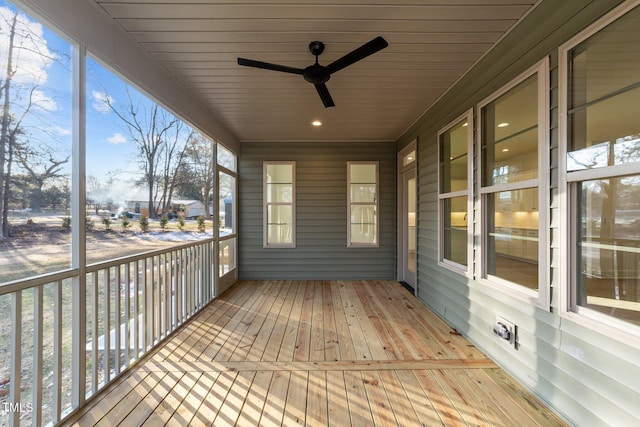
x: 337, y: 353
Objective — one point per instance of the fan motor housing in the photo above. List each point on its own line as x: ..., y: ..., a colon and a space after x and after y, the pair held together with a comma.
x: 316, y: 74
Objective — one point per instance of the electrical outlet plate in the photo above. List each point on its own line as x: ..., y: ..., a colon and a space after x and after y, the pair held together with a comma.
x: 511, y: 327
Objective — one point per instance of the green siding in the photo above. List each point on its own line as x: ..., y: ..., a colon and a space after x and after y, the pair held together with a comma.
x: 321, y: 212
x: 586, y: 376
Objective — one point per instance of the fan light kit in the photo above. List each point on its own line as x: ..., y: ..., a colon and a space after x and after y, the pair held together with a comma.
x: 318, y: 74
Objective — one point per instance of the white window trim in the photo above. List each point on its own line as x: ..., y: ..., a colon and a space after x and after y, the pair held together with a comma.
x: 265, y: 205
x: 377, y: 205
x: 458, y: 268
x: 541, y: 297
x: 568, y: 307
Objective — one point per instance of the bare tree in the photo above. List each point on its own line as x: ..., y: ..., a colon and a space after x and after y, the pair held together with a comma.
x: 158, y: 135
x: 16, y: 106
x: 200, y: 167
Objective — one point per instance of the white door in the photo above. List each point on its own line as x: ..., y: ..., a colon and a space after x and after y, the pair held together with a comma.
x: 407, y: 217
x: 410, y: 228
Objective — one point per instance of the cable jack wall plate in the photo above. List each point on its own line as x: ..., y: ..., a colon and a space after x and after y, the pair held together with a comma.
x: 505, y: 330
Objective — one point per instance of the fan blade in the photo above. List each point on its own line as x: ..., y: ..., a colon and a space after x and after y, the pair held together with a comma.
x: 362, y: 52
x: 268, y: 66
x: 325, y: 95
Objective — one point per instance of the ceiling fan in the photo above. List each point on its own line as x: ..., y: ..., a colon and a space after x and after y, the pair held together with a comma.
x: 320, y: 74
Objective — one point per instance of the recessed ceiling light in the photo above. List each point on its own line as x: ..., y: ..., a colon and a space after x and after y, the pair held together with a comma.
x: 465, y: 124
x: 503, y: 125
x: 316, y: 123
x: 504, y: 150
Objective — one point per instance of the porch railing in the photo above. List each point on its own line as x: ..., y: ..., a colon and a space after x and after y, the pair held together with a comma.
x: 131, y: 304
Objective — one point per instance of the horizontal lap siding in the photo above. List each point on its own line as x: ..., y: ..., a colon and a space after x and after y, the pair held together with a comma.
x: 589, y: 377
x: 321, y: 212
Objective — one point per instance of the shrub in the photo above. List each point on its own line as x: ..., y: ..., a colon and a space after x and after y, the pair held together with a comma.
x: 164, y: 219
x: 180, y: 222
x: 201, y: 225
x: 66, y: 222
x: 124, y: 221
x: 88, y: 224
x: 144, y: 223
x: 106, y: 221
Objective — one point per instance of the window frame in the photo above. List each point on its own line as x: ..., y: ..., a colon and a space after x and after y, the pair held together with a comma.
x: 568, y: 186
x: 542, y: 296
x: 468, y: 193
x: 265, y: 204
x: 376, y: 205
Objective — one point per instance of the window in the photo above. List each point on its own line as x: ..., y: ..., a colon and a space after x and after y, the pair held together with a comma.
x: 602, y: 169
x: 455, y: 144
x: 513, y: 184
x: 158, y: 180
x: 279, y: 204
x: 363, y: 204
x: 227, y: 215
x: 36, y: 148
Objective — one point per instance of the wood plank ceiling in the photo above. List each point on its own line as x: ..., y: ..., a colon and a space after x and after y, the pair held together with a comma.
x: 432, y: 43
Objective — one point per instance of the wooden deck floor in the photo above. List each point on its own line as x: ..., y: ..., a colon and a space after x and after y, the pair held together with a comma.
x: 316, y: 353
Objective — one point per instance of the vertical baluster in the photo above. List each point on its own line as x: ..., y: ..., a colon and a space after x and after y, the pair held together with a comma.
x: 167, y: 293
x: 148, y: 306
x: 16, y: 356
x: 106, y: 333
x: 187, y: 293
x: 117, y: 319
x: 157, y: 287
x: 94, y: 333
x: 36, y: 393
x: 178, y: 280
x: 137, y: 336
x: 127, y: 317
x: 57, y: 350
x: 174, y: 288
x: 190, y: 280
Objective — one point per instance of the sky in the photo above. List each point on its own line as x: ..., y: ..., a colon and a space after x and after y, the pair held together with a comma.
x: 111, y: 156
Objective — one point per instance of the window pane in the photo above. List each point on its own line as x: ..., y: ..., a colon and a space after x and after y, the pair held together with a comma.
x: 280, y: 193
x: 512, y: 247
x: 455, y: 230
x: 409, y: 158
x: 156, y: 188
x: 363, y: 224
x: 609, y: 247
x: 280, y: 233
x: 280, y: 214
x: 604, y: 97
x: 510, y: 136
x: 363, y: 193
x: 453, y: 158
x: 280, y: 173
x: 607, y: 62
x: 226, y: 206
x: 363, y: 173
x: 36, y: 152
x: 226, y: 255
x: 226, y: 158
x: 606, y: 133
